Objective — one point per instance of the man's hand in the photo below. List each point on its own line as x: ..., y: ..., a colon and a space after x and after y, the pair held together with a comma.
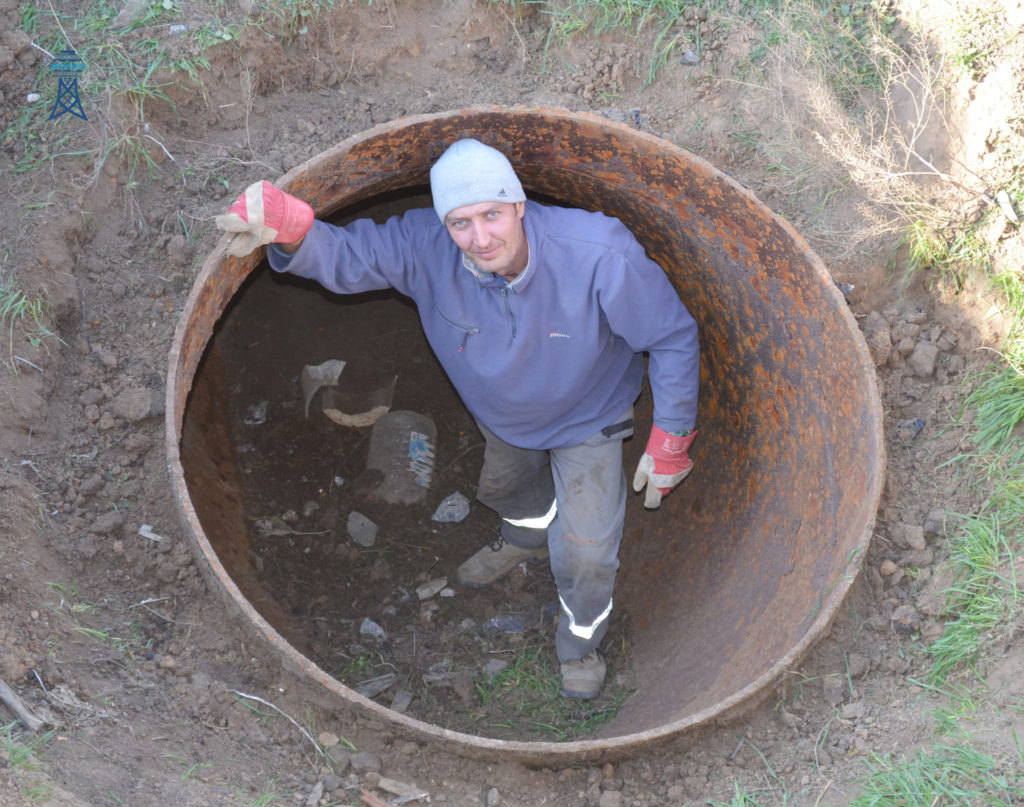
x: 265, y: 215
x: 663, y: 466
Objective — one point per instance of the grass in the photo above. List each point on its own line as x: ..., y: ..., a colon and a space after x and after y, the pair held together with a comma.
x: 132, y: 71
x: 944, y: 774
x: 21, y: 763
x: 126, y: 636
x: 21, y: 751
x: 22, y: 313
x: 527, y: 694
x: 986, y: 596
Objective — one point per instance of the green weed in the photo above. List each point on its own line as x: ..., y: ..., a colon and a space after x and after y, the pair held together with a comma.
x: 745, y: 798
x: 944, y: 774
x: 985, y: 596
x: 527, y: 694
x: 21, y: 752
x: 18, y: 310
x: 291, y: 17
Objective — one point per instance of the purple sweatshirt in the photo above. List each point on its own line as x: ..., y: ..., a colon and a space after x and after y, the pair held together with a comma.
x: 543, y: 361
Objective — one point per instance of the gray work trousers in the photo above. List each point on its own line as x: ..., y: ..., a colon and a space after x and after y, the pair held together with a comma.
x: 573, y: 500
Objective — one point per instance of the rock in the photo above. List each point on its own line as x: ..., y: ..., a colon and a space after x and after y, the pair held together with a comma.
x: 327, y: 739
x: 878, y: 338
x: 401, y: 700
x: 107, y: 357
x: 934, y: 598
x: 922, y: 359
x: 340, y: 758
x: 313, y: 799
x: 332, y: 782
x: 361, y: 529
x: 365, y: 762
x: 107, y: 523
x: 857, y: 665
x: 431, y: 588
x: 805, y: 749
x: 921, y: 558
x: 888, y: 568
x: 492, y: 798
x: 908, y: 536
x: 380, y: 571
x: 834, y: 691
x: 935, y: 523
x: 91, y: 485
x: 916, y: 316
x: 373, y: 630
x: 92, y: 397
x: 610, y: 798
x: 133, y: 404
x: 453, y: 508
x: 905, y: 620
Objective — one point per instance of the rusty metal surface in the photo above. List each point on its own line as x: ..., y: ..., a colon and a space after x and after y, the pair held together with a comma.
x: 744, y: 567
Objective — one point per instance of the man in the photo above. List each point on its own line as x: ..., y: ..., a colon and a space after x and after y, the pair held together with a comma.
x: 539, y: 315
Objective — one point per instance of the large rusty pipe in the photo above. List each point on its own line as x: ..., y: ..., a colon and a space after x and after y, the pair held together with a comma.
x: 744, y: 566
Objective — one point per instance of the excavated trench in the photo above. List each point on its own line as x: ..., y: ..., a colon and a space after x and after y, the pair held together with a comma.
x: 725, y: 587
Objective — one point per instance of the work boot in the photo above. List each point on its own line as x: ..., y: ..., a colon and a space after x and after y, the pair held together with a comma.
x: 583, y: 678
x: 494, y: 561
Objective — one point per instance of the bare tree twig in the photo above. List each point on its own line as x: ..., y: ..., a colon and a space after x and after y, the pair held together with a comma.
x: 19, y: 709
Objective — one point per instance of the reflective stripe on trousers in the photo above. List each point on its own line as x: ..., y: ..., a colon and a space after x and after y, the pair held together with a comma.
x: 585, y: 632
x: 538, y: 523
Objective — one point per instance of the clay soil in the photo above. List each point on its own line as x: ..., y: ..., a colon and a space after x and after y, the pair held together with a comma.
x: 111, y: 631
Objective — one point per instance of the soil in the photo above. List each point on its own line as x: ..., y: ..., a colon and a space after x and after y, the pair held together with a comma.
x: 111, y: 631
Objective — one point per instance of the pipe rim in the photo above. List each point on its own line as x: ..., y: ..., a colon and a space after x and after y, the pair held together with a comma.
x: 543, y: 753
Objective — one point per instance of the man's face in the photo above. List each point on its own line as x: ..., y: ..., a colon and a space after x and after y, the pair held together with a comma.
x: 492, y: 235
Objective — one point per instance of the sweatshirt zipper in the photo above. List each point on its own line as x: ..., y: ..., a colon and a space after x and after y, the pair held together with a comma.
x: 467, y: 330
x: 508, y: 310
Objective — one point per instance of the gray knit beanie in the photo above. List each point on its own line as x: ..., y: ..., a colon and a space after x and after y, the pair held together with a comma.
x: 470, y: 172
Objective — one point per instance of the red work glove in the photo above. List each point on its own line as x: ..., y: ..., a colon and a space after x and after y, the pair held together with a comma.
x: 265, y: 215
x: 663, y: 466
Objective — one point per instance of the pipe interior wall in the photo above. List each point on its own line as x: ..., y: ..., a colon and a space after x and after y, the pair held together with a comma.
x: 742, y: 568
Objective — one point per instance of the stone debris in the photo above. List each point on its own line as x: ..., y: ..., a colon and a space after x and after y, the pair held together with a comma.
x: 431, y: 588
x: 371, y: 629
x: 404, y: 790
x: 256, y: 415
x: 361, y: 529
x: 834, y: 691
x: 908, y: 536
x: 372, y: 687
x: 401, y: 700
x: 906, y: 620
x: 454, y: 508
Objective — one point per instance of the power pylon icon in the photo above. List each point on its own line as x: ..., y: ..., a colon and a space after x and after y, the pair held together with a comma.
x: 67, y: 67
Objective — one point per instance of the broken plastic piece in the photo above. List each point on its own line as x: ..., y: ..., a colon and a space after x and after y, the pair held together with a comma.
x: 362, y: 402
x: 315, y: 376
x: 146, y: 531
x: 358, y: 408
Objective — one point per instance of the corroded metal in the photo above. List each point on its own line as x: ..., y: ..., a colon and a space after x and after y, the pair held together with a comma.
x: 744, y: 566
